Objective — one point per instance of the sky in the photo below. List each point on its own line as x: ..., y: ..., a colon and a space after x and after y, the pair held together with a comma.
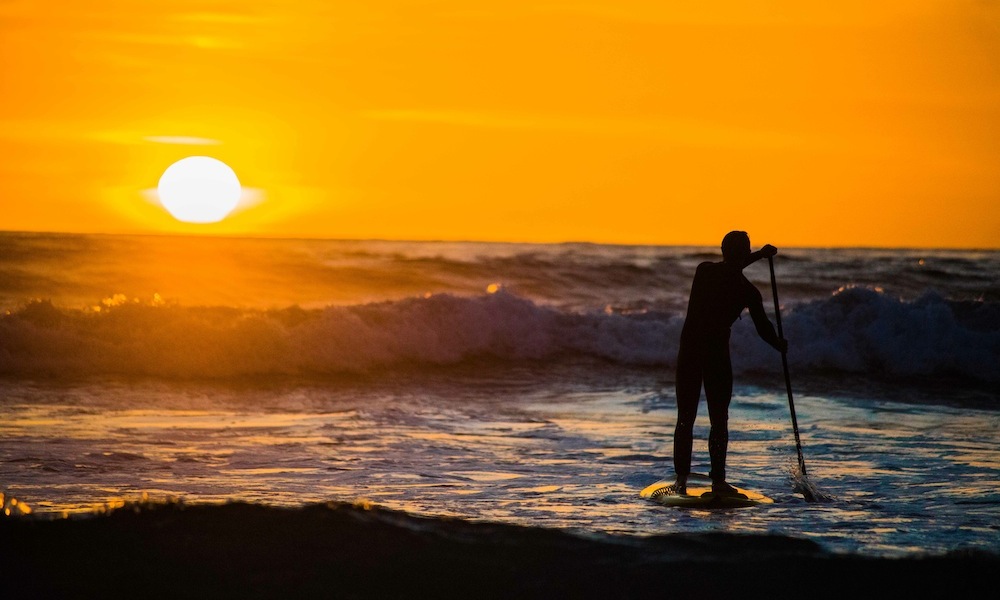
x: 847, y: 123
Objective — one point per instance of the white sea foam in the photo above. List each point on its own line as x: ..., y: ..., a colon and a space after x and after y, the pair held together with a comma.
x: 857, y: 330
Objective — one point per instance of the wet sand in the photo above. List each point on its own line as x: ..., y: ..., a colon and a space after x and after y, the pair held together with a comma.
x: 347, y: 551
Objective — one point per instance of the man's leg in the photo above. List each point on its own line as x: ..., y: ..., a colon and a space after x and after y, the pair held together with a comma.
x: 688, y: 387
x: 718, y: 394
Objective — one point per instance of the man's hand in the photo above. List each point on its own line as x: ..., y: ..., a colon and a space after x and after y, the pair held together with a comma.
x: 766, y: 252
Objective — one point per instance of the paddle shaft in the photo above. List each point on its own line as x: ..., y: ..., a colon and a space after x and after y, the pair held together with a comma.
x: 784, y: 364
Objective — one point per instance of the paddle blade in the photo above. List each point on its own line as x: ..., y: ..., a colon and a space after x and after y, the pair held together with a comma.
x: 802, y: 485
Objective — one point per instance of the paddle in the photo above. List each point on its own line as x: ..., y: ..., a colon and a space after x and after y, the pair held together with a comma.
x: 806, y: 492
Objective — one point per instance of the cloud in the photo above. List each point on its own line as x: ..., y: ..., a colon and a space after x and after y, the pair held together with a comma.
x: 681, y: 131
x: 133, y: 137
x: 184, y: 140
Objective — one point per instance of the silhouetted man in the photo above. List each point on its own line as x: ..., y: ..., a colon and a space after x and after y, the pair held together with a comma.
x: 719, y: 294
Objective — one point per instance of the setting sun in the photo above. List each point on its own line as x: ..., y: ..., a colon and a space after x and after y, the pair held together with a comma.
x: 199, y: 189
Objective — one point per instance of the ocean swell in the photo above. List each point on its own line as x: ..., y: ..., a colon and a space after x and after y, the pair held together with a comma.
x: 857, y: 330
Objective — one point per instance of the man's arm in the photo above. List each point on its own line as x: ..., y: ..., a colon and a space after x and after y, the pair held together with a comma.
x: 766, y: 252
x: 764, y: 328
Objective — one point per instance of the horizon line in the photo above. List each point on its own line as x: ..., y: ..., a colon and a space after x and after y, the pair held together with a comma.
x: 568, y: 242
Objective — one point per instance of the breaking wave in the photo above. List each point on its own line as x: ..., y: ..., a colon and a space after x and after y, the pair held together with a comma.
x: 856, y: 330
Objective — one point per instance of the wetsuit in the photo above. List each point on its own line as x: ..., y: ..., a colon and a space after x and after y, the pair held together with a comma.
x: 719, y: 294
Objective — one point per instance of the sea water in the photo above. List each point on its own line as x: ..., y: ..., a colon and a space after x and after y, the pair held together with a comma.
x: 526, y: 384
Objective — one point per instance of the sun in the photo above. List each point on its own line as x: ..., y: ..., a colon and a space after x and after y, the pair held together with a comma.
x: 199, y: 189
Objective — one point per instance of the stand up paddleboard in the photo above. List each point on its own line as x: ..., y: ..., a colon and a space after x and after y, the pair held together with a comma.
x: 700, y: 496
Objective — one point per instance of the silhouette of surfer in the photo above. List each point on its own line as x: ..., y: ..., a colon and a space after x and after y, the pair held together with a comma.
x: 719, y: 294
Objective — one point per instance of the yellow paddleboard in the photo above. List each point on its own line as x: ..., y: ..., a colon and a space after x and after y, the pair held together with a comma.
x: 701, y: 496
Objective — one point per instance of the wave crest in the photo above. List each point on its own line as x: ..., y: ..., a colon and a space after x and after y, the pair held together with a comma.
x: 857, y: 330
x: 863, y: 330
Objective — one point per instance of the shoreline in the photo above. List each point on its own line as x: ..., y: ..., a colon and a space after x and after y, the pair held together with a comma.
x: 359, y: 551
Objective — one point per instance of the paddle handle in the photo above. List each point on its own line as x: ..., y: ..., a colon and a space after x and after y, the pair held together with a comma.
x: 784, y: 364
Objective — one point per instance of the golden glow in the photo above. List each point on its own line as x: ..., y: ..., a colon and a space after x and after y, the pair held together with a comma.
x: 11, y: 506
x: 633, y: 121
x: 199, y: 189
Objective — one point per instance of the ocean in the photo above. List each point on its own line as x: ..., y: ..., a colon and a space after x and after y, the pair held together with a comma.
x: 518, y: 384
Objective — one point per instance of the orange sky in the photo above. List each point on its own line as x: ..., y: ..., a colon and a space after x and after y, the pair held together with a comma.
x: 805, y: 123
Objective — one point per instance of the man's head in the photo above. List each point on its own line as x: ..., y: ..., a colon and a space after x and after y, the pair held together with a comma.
x: 736, y: 247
